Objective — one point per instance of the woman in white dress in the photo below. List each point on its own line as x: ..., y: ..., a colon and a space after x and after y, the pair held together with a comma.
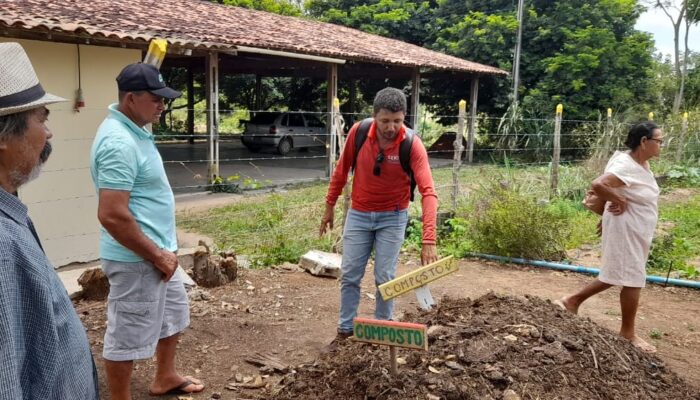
x: 628, y: 225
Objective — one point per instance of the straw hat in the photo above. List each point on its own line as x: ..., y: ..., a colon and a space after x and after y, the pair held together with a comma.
x: 20, y: 89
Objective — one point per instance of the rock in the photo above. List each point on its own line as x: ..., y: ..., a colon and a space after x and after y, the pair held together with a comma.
x: 291, y: 267
x: 511, y: 338
x: 216, y: 395
x: 198, y: 294
x: 95, y: 284
x: 454, y: 365
x: 510, y: 394
x: 436, y: 330
x: 320, y: 263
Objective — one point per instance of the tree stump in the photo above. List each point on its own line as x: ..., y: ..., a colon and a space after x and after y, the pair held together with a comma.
x: 95, y: 284
x: 214, y: 270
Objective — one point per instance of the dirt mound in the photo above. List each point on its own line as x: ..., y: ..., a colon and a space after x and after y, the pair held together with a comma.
x: 492, y: 348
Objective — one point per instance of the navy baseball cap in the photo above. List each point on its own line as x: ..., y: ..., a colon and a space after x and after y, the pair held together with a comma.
x: 144, y: 77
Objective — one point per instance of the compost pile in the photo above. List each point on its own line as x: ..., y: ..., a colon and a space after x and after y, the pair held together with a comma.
x: 494, y: 347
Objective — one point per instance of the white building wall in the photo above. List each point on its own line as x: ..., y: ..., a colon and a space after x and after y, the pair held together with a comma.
x: 62, y: 201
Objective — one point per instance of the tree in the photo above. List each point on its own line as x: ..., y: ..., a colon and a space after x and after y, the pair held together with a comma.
x: 284, y: 7
x: 687, y: 13
x: 406, y: 20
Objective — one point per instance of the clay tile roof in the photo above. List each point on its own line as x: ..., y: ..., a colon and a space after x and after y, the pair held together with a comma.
x: 203, y: 24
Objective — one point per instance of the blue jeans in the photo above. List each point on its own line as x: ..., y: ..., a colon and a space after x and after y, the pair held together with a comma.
x: 382, y: 231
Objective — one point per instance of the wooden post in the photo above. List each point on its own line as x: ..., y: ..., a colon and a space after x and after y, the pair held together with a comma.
x: 190, y: 104
x: 392, y: 355
x: 608, y: 134
x: 212, y: 84
x: 258, y: 93
x: 474, y: 93
x: 415, y: 99
x: 332, y: 93
x: 352, y: 102
x: 681, y: 139
x: 335, y: 111
x: 557, y: 151
x: 458, y: 149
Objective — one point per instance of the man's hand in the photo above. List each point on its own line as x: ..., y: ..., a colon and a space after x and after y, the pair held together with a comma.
x: 166, y: 262
x: 327, y: 220
x: 428, y: 254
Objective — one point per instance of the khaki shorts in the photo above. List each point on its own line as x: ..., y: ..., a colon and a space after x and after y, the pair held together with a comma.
x: 141, y: 309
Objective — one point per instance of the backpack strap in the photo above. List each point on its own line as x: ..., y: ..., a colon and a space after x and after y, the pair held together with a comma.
x: 405, y: 158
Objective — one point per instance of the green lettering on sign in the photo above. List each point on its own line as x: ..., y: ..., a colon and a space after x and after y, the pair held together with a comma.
x: 391, y: 333
x: 418, y: 278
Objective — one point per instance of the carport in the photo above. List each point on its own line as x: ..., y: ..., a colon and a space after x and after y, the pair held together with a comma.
x: 214, y: 39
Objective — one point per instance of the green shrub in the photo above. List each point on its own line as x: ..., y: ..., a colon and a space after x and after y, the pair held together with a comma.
x: 507, y: 223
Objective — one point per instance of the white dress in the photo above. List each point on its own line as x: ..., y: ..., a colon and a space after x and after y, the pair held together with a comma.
x: 627, y: 237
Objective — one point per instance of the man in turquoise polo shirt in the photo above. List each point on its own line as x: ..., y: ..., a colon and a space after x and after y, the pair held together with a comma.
x: 147, y: 306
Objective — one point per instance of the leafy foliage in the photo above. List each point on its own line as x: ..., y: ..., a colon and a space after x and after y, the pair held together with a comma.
x: 283, y: 7
x: 509, y: 223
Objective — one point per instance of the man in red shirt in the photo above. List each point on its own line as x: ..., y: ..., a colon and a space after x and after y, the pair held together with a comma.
x: 381, y: 191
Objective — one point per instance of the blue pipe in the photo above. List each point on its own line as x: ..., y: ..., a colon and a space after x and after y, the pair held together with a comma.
x: 583, y: 270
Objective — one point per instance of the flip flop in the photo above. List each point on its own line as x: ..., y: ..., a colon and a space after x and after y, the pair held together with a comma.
x: 179, y: 389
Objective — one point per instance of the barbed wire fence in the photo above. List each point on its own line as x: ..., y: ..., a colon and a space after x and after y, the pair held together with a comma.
x: 546, y: 157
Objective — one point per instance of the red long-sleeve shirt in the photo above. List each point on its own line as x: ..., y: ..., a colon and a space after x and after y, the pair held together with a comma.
x: 391, y: 190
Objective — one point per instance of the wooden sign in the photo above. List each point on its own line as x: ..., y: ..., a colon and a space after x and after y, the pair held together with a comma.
x: 418, y: 278
x: 391, y: 333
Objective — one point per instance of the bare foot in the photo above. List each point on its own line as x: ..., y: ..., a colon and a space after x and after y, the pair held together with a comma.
x: 641, y: 344
x: 566, y: 304
x: 184, y: 385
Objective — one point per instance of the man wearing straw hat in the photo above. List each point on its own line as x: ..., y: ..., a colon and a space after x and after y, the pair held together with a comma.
x: 147, y: 306
x: 44, y: 352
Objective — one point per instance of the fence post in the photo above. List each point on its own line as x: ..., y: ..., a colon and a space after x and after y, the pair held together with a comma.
x: 681, y: 140
x: 458, y: 148
x: 557, y: 151
x: 608, y: 133
x: 335, y: 110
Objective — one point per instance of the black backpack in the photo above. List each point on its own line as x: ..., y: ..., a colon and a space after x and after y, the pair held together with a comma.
x: 404, y: 149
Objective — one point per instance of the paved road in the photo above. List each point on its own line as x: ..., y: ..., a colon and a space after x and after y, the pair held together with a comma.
x: 186, y: 164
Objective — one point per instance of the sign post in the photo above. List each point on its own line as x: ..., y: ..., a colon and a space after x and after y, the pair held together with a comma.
x: 417, y: 280
x: 391, y: 333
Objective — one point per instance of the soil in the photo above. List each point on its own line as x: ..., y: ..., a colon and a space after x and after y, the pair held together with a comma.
x: 288, y: 317
x: 483, y: 348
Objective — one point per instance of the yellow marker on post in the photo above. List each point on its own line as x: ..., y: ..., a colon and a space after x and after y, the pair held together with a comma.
x: 418, y: 278
x: 560, y: 109
x: 609, y: 112
x: 336, y: 102
x: 651, y: 116
x: 685, y: 116
x: 462, y: 105
x: 156, y: 52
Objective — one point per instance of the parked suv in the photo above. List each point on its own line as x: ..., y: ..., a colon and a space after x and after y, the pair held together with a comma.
x: 283, y: 131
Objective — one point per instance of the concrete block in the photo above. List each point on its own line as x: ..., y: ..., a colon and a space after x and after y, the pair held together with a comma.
x: 320, y: 263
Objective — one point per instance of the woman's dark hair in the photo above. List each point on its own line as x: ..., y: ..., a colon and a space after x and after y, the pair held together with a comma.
x: 639, y: 131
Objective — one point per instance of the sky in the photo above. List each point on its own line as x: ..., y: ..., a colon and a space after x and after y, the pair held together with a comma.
x: 657, y: 23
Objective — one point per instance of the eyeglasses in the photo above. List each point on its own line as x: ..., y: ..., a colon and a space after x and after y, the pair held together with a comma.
x: 378, y: 163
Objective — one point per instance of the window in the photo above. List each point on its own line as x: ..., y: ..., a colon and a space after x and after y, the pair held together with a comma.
x: 313, y: 122
x: 296, y: 120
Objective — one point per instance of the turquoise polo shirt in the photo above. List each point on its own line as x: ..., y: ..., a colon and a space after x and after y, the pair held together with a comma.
x: 124, y: 157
